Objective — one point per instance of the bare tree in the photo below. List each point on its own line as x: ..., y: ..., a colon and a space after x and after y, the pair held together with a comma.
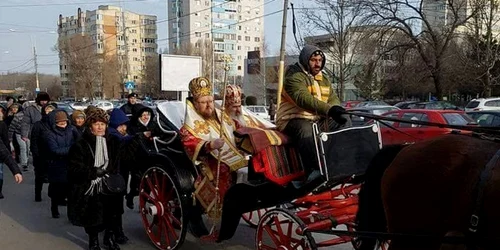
x: 151, y: 77
x: 440, y: 21
x: 84, y: 63
x: 483, y: 55
x: 339, y: 20
x: 55, y: 89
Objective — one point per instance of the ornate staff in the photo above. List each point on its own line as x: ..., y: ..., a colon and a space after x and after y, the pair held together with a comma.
x: 227, y: 59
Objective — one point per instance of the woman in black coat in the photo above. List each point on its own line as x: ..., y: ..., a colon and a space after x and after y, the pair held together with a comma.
x: 142, y: 121
x: 93, y: 156
x: 58, y: 138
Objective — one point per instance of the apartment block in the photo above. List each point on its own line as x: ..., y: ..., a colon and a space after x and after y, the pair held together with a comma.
x: 124, y: 37
x: 233, y: 28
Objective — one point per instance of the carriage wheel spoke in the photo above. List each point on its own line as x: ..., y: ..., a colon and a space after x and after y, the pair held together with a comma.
x: 152, y: 188
x: 280, y: 231
x: 148, y: 197
x: 170, y: 226
x: 272, y: 235
x: 157, y: 186
x: 174, y: 220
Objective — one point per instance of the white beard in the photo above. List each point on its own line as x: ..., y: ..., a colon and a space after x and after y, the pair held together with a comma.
x: 239, y: 118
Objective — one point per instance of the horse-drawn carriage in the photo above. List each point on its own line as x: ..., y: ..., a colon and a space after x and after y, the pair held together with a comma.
x: 318, y: 202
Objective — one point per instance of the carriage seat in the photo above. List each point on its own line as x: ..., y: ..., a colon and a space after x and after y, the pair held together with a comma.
x: 272, y: 154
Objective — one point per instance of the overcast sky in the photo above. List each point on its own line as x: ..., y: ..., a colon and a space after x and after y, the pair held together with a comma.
x: 27, y: 22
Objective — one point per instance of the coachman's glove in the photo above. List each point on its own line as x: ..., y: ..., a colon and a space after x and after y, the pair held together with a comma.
x: 336, y: 112
x: 100, y: 172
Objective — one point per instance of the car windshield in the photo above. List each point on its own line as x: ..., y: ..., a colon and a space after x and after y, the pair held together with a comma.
x: 472, y: 105
x: 259, y: 110
x: 456, y: 119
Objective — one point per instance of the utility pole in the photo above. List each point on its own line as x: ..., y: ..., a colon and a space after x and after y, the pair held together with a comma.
x: 36, y: 71
x: 281, y: 70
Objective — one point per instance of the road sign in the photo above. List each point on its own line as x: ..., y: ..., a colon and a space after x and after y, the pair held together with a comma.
x: 130, y: 85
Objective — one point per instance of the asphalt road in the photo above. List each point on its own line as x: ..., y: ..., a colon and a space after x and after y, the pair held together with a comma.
x: 28, y: 225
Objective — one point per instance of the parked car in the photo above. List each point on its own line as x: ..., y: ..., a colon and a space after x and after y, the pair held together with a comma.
x: 371, y: 103
x: 65, y: 106
x: 376, y: 110
x: 483, y: 104
x: 488, y: 118
x: 405, y: 104
x: 260, y: 111
x: 434, y: 105
x: 419, y: 132
x: 79, y: 105
x: 104, y: 105
x: 350, y: 104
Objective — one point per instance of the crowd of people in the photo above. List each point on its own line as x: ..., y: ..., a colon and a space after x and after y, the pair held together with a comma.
x: 77, y: 155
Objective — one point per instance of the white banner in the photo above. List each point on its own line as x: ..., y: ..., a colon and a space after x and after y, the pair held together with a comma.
x: 177, y: 71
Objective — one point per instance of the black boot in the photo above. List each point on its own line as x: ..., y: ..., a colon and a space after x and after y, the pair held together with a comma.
x: 109, y: 241
x: 130, y: 201
x: 54, y: 209
x: 1, y: 186
x: 38, y: 190
x: 94, y: 242
x: 119, y: 235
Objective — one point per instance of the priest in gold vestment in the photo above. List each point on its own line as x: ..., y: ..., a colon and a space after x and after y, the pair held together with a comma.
x: 203, y: 138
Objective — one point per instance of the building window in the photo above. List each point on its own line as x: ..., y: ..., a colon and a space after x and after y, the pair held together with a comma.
x: 247, y: 48
x: 239, y: 67
x: 197, y: 34
x: 239, y: 27
x: 239, y: 57
x: 257, y: 39
x: 207, y: 35
x: 239, y: 47
x: 256, y: 48
x: 136, y: 77
x: 239, y: 38
x: 198, y: 2
x: 247, y: 38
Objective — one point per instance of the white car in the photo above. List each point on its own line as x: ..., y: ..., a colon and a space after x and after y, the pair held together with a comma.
x: 104, y: 105
x: 79, y: 105
x: 480, y: 104
x: 260, y: 111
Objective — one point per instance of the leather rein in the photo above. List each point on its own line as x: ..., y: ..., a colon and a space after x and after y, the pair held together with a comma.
x: 495, y: 131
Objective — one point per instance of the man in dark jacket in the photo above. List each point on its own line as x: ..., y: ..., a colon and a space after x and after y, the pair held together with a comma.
x: 129, y: 107
x: 33, y: 113
x: 39, y: 150
x: 308, y: 97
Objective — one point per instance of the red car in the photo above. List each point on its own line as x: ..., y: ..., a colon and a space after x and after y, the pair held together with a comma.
x: 419, y: 132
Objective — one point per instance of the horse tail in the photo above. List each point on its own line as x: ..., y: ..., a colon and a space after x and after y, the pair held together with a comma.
x: 371, y: 216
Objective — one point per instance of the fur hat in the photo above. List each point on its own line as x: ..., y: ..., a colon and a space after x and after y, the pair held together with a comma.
x: 96, y: 115
x: 61, y: 116
x: 233, y: 95
x: 132, y: 95
x: 42, y: 96
x: 200, y: 87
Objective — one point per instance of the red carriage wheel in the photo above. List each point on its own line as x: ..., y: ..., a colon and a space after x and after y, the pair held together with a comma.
x: 161, y: 209
x: 253, y: 218
x: 278, y: 229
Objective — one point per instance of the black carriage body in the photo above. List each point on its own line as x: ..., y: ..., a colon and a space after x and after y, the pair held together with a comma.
x: 334, y: 149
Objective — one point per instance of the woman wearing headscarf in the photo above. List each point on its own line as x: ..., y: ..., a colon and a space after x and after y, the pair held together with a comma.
x: 59, y: 138
x: 142, y: 120
x: 78, y: 121
x: 93, y: 158
x: 38, y: 148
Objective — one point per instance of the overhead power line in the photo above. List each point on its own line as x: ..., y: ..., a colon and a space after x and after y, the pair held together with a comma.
x: 71, y: 3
